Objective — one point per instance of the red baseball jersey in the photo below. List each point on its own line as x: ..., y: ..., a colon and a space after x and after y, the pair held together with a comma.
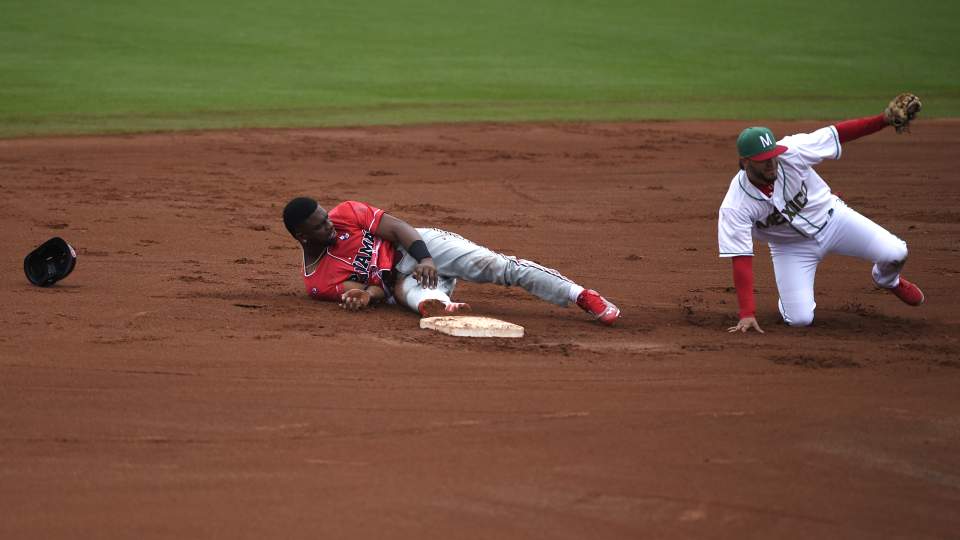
x: 357, y: 255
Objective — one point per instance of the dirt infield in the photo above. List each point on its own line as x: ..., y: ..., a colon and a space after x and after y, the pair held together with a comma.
x: 180, y: 385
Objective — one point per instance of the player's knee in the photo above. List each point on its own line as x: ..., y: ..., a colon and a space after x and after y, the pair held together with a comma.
x: 899, y: 253
x: 799, y: 318
x: 491, y: 269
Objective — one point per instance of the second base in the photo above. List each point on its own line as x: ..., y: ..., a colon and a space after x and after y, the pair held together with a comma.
x: 469, y: 326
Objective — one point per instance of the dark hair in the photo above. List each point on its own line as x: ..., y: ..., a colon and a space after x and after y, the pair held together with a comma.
x: 297, y: 211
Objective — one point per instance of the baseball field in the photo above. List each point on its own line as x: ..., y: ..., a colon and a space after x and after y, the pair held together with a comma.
x: 180, y: 384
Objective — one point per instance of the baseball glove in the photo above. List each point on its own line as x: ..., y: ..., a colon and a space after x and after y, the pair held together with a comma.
x: 901, y: 111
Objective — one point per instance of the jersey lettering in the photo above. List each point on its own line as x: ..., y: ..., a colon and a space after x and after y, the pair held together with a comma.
x: 361, y: 262
x: 790, y: 210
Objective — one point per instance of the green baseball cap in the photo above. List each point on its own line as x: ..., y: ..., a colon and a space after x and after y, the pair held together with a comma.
x: 758, y: 144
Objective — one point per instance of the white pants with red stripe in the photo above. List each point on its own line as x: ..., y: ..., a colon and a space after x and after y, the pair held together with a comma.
x: 847, y: 233
x: 459, y: 258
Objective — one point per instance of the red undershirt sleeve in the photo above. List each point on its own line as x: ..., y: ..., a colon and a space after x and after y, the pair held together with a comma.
x: 849, y: 130
x: 743, y: 281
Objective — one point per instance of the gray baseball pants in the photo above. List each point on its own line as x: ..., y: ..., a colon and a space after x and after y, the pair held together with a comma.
x: 459, y: 258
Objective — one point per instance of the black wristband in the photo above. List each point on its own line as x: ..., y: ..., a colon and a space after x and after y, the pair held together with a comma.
x: 418, y: 250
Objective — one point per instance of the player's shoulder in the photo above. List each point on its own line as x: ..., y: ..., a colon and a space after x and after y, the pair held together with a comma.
x: 353, y: 208
x: 796, y: 142
x: 346, y: 206
x: 739, y: 193
x: 340, y: 208
x: 357, y: 214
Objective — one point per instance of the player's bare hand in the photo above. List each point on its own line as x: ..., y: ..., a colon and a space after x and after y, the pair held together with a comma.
x: 426, y: 273
x: 745, y: 324
x: 355, y: 299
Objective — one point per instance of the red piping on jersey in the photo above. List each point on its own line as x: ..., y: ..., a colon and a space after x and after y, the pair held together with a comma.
x: 743, y: 281
x: 849, y: 130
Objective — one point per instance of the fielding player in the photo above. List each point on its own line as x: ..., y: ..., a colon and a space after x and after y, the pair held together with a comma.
x: 358, y: 255
x: 779, y: 198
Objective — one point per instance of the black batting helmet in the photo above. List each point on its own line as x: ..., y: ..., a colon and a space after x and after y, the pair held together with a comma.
x: 49, y: 263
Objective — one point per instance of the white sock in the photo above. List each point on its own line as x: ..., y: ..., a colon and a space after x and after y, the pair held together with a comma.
x: 575, y: 291
x: 414, y: 293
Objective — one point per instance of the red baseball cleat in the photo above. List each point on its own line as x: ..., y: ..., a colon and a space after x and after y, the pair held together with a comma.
x: 909, y: 293
x: 601, y: 308
x: 437, y: 308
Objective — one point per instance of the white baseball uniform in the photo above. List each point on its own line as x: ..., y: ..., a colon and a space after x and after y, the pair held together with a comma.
x: 802, y: 221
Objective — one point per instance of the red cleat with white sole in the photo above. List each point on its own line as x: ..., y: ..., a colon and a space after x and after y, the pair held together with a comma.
x: 602, y: 309
x: 437, y: 308
x: 909, y: 293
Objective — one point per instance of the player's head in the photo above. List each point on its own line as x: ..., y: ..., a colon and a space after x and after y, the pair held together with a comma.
x: 308, y: 222
x: 758, y: 151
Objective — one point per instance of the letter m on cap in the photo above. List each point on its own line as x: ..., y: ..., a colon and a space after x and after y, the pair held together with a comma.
x: 765, y: 140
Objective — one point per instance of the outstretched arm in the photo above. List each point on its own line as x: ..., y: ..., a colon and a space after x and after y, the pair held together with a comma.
x: 400, y: 233
x: 899, y: 113
x: 743, y: 281
x: 850, y: 130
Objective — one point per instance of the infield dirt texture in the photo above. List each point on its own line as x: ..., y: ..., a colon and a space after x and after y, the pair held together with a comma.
x: 179, y: 384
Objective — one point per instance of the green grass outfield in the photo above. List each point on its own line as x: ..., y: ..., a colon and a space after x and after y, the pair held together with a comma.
x: 128, y: 65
